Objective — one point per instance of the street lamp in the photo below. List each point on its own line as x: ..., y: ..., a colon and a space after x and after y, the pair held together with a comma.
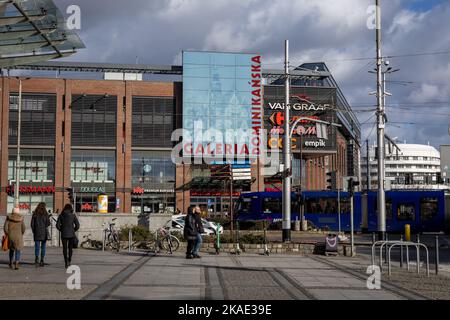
x: 19, y: 121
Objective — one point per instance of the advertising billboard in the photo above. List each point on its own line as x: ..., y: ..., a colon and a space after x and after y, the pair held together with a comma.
x: 222, y: 105
x: 315, y: 103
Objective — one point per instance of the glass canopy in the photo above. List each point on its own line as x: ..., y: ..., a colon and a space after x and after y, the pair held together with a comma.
x: 34, y: 31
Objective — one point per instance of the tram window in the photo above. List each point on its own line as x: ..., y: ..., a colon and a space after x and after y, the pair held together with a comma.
x: 321, y: 205
x: 271, y: 205
x: 406, y: 212
x: 345, y: 205
x: 245, y: 205
x: 428, y: 208
x: 389, y: 210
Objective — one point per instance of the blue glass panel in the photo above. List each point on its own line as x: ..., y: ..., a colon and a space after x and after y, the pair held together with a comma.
x: 196, y: 71
x: 223, y: 72
x: 196, y: 96
x: 195, y: 58
x: 196, y: 84
x: 243, y: 72
x: 223, y: 59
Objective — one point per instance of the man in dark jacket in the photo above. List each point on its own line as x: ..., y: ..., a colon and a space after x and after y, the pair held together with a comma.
x: 68, y: 224
x: 192, y: 228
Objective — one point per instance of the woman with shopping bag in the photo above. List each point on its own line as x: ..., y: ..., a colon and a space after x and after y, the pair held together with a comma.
x: 14, y: 229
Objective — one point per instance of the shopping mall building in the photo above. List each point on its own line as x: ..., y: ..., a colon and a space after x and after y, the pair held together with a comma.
x: 113, y: 136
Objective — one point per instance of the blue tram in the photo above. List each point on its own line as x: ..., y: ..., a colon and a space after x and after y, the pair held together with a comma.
x: 424, y: 211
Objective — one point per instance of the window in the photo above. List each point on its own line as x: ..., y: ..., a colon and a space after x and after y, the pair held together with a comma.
x: 323, y: 205
x: 406, y: 212
x: 428, y: 208
x: 35, y: 165
x: 38, y: 123
x: 153, y: 170
x: 93, y: 166
x: 153, y: 121
x: 272, y: 205
x: 94, y: 120
x: 245, y: 205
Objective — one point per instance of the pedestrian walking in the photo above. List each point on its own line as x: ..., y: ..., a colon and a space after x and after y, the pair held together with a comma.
x: 192, y: 228
x: 189, y: 232
x: 67, y: 225
x: 14, y: 228
x: 200, y: 230
x: 40, y: 221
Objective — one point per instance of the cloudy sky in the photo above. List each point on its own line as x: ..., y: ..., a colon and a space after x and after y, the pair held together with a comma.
x: 334, y: 31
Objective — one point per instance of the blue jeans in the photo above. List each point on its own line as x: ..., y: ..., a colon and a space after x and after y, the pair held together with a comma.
x: 198, y: 244
x: 40, y: 246
x: 11, y: 255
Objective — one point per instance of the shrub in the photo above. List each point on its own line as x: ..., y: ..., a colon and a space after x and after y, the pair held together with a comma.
x: 140, y: 233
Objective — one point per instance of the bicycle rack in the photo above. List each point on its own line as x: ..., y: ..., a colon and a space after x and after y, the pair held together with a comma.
x: 391, y: 244
x: 417, y: 245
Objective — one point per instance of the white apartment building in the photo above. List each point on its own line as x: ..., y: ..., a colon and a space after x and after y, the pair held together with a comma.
x: 416, y: 167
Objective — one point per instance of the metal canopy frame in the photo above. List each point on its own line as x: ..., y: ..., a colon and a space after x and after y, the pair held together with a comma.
x: 148, y: 69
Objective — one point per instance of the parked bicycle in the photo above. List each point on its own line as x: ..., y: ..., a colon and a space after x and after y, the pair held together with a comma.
x: 88, y: 243
x: 162, y: 240
x: 111, y: 236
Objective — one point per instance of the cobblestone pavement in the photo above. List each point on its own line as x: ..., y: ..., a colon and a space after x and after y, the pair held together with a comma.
x: 106, y: 275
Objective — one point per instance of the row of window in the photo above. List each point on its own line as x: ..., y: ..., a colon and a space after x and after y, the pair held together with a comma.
x: 94, y: 120
x: 403, y: 166
x: 406, y: 211
x: 149, y: 168
x: 406, y: 158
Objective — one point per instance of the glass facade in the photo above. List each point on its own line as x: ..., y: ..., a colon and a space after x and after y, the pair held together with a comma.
x: 37, y: 175
x: 93, y: 172
x: 36, y: 165
x: 93, y: 166
x: 217, y: 93
x: 153, y: 181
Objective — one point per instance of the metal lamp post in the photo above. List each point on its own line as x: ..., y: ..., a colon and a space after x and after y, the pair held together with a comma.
x: 287, y: 176
x: 19, y: 121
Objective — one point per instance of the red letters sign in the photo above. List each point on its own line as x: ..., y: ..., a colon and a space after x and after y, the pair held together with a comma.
x: 31, y: 189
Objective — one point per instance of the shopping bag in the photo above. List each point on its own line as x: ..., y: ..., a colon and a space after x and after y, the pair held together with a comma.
x: 5, y: 243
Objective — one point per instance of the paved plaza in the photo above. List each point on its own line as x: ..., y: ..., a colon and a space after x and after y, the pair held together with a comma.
x: 140, y: 276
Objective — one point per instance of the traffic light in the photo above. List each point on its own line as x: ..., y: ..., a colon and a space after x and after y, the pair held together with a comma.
x: 351, y: 186
x: 70, y: 191
x: 332, y: 180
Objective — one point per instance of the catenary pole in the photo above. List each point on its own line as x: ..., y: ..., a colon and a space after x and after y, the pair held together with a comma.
x: 286, y: 204
x: 380, y: 130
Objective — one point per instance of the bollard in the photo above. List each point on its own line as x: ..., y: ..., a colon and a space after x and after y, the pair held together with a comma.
x: 436, y: 257
x: 418, y: 241
x: 129, y: 240
x: 407, y: 232
x: 238, y: 249
x: 104, y: 240
x: 401, y: 252
x: 386, y: 252
x: 373, y: 238
x: 218, y: 239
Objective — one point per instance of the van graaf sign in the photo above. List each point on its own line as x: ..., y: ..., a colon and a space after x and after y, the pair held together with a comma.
x: 302, y: 105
